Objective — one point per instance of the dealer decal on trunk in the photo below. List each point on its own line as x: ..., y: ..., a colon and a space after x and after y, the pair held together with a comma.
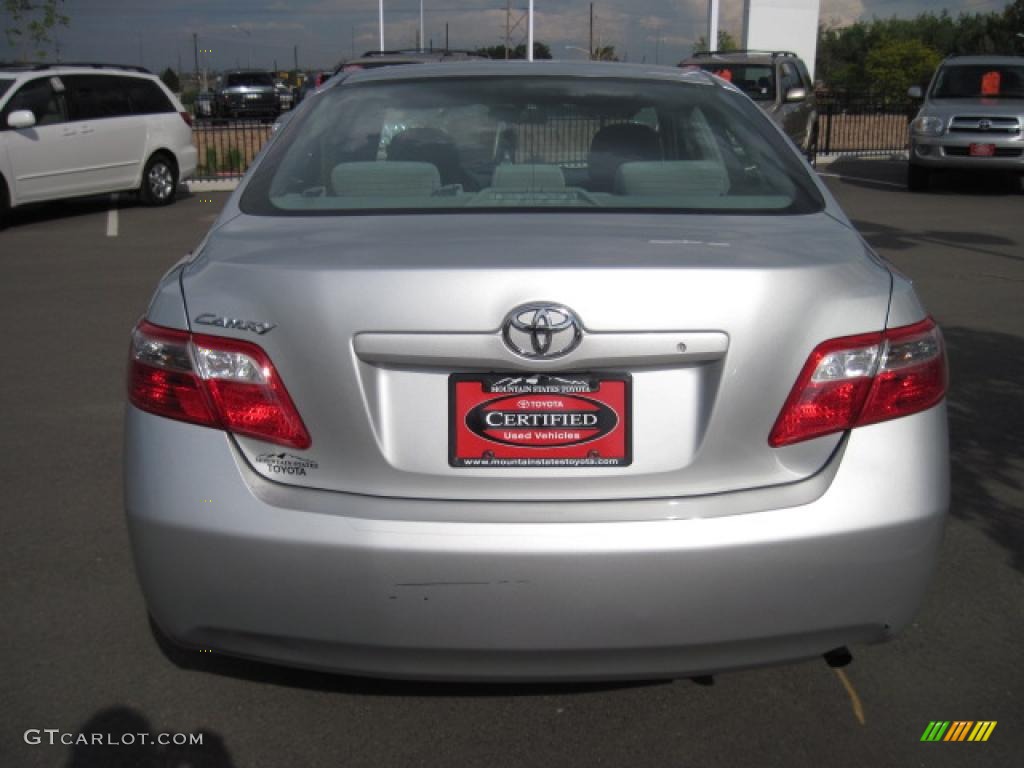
x: 539, y: 421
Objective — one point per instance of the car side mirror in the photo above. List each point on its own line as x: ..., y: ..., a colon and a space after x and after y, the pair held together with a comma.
x: 796, y: 94
x: 914, y: 92
x: 21, y: 118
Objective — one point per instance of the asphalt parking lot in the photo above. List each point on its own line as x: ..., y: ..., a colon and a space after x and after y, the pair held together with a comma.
x: 77, y: 654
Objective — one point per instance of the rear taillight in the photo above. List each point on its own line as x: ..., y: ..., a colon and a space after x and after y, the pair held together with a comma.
x: 187, y: 117
x: 214, y: 381
x: 858, y: 380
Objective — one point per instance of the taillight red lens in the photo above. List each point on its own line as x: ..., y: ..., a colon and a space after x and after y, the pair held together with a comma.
x: 857, y: 380
x: 161, y: 379
x: 911, y: 375
x: 247, y: 392
x: 187, y: 117
x: 214, y: 381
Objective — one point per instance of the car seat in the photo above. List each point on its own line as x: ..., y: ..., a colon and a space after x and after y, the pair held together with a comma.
x: 616, y: 144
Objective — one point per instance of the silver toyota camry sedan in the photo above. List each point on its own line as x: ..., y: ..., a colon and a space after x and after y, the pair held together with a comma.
x: 533, y: 371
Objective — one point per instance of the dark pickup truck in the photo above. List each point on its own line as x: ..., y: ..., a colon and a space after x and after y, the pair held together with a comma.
x: 247, y: 94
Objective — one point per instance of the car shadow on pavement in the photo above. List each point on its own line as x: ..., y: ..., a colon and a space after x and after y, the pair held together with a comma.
x: 884, y: 237
x: 872, y: 173
x: 128, y: 740
x: 38, y: 213
x: 326, y: 682
x: 988, y: 183
x: 885, y: 174
x: 986, y: 411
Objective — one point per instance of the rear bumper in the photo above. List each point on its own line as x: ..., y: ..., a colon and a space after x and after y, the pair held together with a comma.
x: 223, y: 569
x: 188, y: 158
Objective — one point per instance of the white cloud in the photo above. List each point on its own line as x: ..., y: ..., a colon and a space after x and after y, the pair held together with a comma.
x: 841, y: 12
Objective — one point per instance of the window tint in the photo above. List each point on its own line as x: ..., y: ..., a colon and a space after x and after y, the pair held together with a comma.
x: 790, y: 77
x: 94, y: 97
x: 5, y: 86
x: 530, y: 143
x: 248, y: 78
x: 39, y: 97
x: 805, y: 76
x: 146, y: 96
x: 755, y: 80
x: 963, y: 81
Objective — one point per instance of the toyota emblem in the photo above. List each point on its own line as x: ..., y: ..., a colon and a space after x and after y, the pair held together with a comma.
x: 541, y: 331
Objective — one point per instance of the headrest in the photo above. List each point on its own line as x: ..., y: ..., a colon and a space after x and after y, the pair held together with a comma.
x: 390, y: 179
x: 678, y: 177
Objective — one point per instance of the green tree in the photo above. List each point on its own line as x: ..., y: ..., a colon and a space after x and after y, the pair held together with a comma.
x: 170, y: 78
x: 29, y: 23
x: 1014, y: 19
x: 726, y: 42
x: 843, y: 52
x: 605, y: 53
x: 895, y: 65
x: 540, y: 51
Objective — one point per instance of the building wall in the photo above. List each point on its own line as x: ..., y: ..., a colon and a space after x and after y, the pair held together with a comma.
x: 782, y: 25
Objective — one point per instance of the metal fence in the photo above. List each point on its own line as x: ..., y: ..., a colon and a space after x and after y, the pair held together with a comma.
x: 226, y: 148
x: 852, y: 125
x: 860, y: 125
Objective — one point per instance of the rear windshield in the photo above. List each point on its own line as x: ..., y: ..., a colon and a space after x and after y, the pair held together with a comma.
x: 5, y: 86
x: 249, y: 78
x: 755, y: 80
x: 542, y: 143
x: 972, y: 81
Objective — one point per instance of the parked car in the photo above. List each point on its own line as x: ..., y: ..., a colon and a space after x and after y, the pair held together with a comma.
x: 285, y: 95
x: 972, y: 119
x: 534, y: 370
x: 311, y: 82
x: 247, y: 93
x: 204, y: 103
x: 69, y: 130
x: 778, y: 81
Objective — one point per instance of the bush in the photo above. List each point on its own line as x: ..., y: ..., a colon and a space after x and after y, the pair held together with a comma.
x: 234, y: 160
x: 895, y: 65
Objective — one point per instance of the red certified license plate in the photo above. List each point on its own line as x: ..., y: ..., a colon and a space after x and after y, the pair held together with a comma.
x: 982, y: 150
x: 539, y: 420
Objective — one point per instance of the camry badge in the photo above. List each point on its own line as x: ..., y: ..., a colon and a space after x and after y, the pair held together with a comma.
x: 208, y: 318
x: 541, y: 331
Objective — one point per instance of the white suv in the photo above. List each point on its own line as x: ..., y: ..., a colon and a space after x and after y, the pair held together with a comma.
x: 71, y: 130
x: 972, y: 119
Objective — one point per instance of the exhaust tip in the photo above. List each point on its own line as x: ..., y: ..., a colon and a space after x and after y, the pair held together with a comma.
x: 838, y: 657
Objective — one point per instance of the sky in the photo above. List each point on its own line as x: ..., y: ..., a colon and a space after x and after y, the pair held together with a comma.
x: 265, y: 33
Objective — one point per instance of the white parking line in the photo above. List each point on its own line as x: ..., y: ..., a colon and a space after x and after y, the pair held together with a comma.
x: 112, y: 222
x: 844, y: 177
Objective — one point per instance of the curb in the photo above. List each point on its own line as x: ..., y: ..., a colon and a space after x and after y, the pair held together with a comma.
x: 213, y: 185
x: 899, y: 156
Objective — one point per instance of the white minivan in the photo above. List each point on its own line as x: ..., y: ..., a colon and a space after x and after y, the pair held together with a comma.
x: 72, y: 130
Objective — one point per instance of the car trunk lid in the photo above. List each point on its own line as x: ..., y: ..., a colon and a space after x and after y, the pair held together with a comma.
x: 707, y: 318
